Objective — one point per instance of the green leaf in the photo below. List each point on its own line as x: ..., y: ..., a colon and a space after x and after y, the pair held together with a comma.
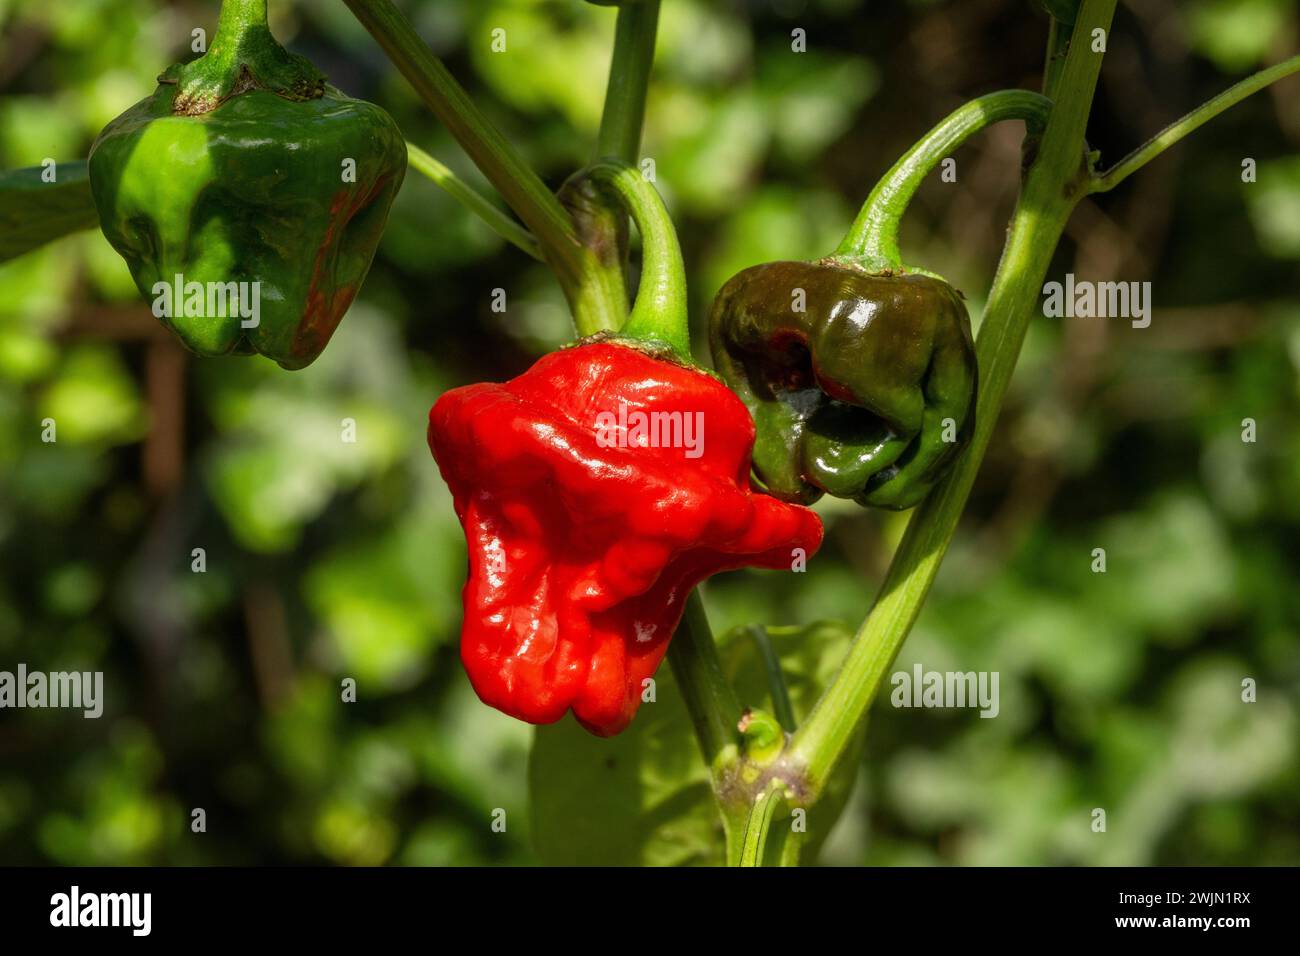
x: 94, y: 399
x: 812, y: 99
x: 34, y: 212
x: 644, y: 797
x: 1274, y: 201
x: 1236, y: 34
x: 641, y: 798
x: 389, y: 599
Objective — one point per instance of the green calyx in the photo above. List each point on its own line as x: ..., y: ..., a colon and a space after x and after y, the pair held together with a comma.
x: 658, y: 316
x: 243, y: 56
x: 860, y: 384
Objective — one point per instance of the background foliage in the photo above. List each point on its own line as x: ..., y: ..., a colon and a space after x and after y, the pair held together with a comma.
x: 327, y: 560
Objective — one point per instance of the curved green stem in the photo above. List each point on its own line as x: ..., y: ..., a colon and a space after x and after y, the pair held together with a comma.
x: 473, y: 200
x: 692, y: 654
x: 1055, y: 183
x: 873, y: 238
x: 629, y: 76
x: 659, y: 313
x: 1176, y: 130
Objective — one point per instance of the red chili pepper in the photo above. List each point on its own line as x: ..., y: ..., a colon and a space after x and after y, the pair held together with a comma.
x: 596, y: 490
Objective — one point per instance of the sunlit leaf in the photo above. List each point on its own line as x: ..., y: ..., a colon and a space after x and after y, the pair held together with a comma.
x: 644, y: 796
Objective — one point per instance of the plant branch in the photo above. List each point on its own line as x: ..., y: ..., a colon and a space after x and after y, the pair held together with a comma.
x: 474, y: 201
x: 712, y: 703
x: 753, y: 847
x: 1052, y: 187
x: 629, y: 77
x: 521, y: 188
x: 1178, y: 129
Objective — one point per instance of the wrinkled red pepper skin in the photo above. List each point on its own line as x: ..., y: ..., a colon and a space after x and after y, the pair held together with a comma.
x: 582, y: 548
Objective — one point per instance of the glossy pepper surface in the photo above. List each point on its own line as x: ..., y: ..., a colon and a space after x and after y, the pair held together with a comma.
x: 244, y: 167
x: 596, y: 490
x: 861, y: 383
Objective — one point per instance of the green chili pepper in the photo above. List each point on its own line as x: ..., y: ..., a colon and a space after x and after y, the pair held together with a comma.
x: 247, y: 196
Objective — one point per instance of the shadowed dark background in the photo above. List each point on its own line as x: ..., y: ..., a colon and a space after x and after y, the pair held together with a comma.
x: 327, y: 560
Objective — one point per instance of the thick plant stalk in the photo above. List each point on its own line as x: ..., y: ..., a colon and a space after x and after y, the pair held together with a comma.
x: 710, y: 700
x: 1054, y: 184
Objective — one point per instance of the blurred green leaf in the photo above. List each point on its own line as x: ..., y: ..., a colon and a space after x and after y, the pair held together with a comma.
x: 387, y: 601
x: 1274, y: 202
x: 1237, y: 34
x: 1169, y: 568
x: 94, y: 399
x: 776, y: 223
x: 547, y: 62
x: 34, y: 211
x: 293, y: 441
x: 350, y: 834
x: 812, y: 98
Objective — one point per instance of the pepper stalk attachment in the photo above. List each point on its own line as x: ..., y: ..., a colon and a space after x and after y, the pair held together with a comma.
x: 658, y: 317
x: 243, y: 56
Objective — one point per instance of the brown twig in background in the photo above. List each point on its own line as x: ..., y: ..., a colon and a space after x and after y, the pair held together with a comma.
x: 163, y: 456
x: 268, y: 644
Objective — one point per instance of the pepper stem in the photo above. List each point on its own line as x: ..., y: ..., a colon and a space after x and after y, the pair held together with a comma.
x: 659, y: 314
x: 243, y: 56
x: 629, y: 75
x: 873, y: 238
